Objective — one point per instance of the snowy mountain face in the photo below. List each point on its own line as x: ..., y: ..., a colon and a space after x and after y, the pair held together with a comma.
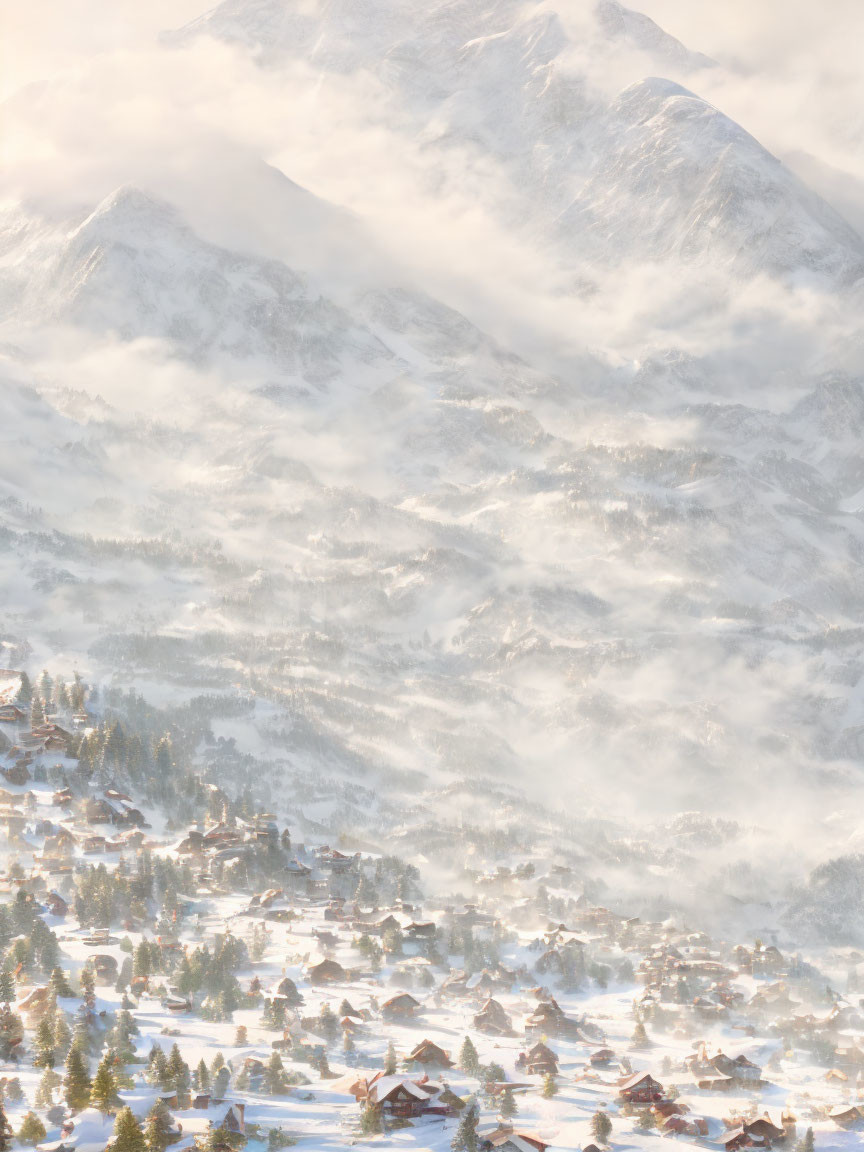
x: 622, y: 583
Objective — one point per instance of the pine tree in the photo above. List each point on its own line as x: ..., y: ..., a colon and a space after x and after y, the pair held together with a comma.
x: 241, y: 1038
x: 44, y: 1098
x: 508, y: 1107
x: 217, y: 1063
x: 37, y: 713
x: 274, y: 1083
x: 158, y: 1071
x: 469, y: 1060
x: 370, y: 1119
x: 158, y: 1127
x: 103, y: 1094
x: 806, y: 1144
x: 465, y: 1139
x: 7, y: 987
x: 62, y: 1033
x: 32, y: 1130
x: 44, y: 1055
x: 60, y: 985
x: 550, y: 1086
x: 601, y: 1127
x: 640, y: 1036
x: 5, y: 1130
x: 201, y: 1076
x: 25, y: 691
x: 127, y: 1135
x: 390, y: 1061
x: 180, y: 1075
x: 12, y: 1090
x: 88, y: 986
x: 220, y: 1083
x: 76, y: 1082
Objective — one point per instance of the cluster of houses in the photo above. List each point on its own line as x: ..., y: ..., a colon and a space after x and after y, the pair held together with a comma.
x: 526, y: 998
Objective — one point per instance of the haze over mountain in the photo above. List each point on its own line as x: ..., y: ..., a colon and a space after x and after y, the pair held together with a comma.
x: 472, y: 389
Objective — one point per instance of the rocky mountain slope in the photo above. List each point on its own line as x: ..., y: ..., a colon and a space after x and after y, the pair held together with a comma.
x: 628, y: 585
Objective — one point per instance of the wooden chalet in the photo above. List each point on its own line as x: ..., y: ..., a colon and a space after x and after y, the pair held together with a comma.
x: 430, y: 1055
x: 400, y: 1007
x: 327, y: 972
x: 640, y: 1088
x: 493, y: 1020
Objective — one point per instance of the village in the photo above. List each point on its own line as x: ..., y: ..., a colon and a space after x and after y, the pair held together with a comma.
x: 219, y: 985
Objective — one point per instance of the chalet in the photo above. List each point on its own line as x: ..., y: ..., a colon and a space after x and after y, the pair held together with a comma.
x: 54, y: 904
x: 388, y: 924
x: 849, y: 1054
x: 456, y: 984
x: 192, y: 844
x: 335, y: 861
x: 430, y: 1055
x: 286, y: 989
x: 601, y: 1057
x: 12, y: 714
x: 296, y: 876
x: 763, y: 1131
x: 18, y: 774
x: 234, y: 1119
x: 92, y: 845
x: 640, y: 1088
x: 735, y: 1139
x: 327, y: 972
x: 846, y: 1116
x: 405, y: 1099
x: 177, y: 1005
x: 493, y: 1020
x: 422, y: 931
x: 400, y: 1007
x: 539, y: 1061
x: 506, y: 1138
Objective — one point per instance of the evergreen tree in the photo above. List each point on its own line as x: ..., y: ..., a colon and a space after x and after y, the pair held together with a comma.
x: 370, y: 1119
x: 37, y: 713
x: 390, y: 1064
x: 469, y: 1060
x: 103, y: 1093
x: 180, y: 1075
x: 465, y: 1138
x: 88, y: 986
x: 76, y: 1082
x: 25, y: 690
x: 806, y: 1143
x: 62, y: 1035
x: 241, y: 1038
x: 7, y: 986
x: 158, y: 1127
x: 550, y: 1086
x: 12, y: 1090
x: 44, y: 1098
x: 5, y: 1130
x: 201, y: 1076
x: 44, y: 1055
x: 32, y: 1130
x: 60, y: 985
x: 217, y: 1063
x: 601, y: 1127
x: 274, y: 1082
x: 508, y: 1107
x: 220, y: 1083
x: 640, y: 1036
x: 127, y: 1135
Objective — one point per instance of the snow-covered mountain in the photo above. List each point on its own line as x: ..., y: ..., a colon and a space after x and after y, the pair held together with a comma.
x: 625, y: 584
